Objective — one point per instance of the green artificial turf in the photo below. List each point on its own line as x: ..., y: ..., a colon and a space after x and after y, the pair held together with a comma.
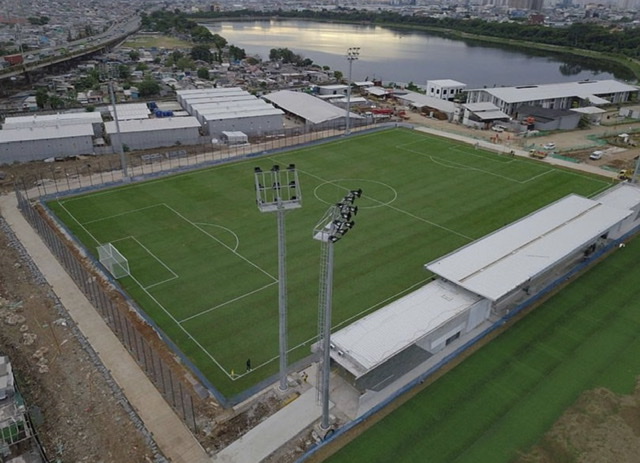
x: 204, y: 259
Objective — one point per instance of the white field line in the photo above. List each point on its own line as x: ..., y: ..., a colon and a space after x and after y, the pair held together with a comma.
x: 381, y: 203
x: 220, y: 242
x: 175, y: 275
x: 235, y: 248
x: 170, y: 315
x: 120, y: 214
x: 81, y: 225
x: 227, y: 302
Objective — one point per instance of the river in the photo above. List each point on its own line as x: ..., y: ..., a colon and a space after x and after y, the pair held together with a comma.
x: 407, y: 56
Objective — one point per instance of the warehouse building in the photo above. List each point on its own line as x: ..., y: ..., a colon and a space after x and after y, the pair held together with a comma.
x: 193, y: 105
x: 185, y: 95
x: 52, y: 120
x: 129, y: 112
x: 38, y: 143
x: 251, y: 121
x: 555, y: 96
x: 311, y: 110
x: 200, y: 111
x: 476, y: 286
x: 155, y: 133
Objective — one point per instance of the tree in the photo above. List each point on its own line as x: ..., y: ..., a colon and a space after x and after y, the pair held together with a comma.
x: 42, y: 97
x: 338, y: 75
x: 237, y: 53
x: 201, y: 34
x: 134, y: 55
x: 148, y: 87
x: 56, y: 102
x: 203, y: 73
x: 185, y: 63
x: 124, y: 72
x: 201, y: 53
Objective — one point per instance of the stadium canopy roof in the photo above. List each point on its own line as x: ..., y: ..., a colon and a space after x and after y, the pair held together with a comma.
x: 372, y: 340
x: 150, y: 125
x: 307, y: 106
x: 622, y: 196
x: 586, y: 89
x: 497, y: 264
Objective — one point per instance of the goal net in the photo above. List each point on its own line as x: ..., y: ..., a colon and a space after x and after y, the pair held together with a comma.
x: 114, y: 262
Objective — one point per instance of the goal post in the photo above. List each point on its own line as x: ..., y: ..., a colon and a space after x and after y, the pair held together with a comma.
x: 113, y: 261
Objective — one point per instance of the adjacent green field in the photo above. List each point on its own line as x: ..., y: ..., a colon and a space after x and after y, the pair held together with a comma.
x: 504, y: 397
x: 204, y: 259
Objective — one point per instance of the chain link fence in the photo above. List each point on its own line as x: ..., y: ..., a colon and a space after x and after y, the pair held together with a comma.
x: 116, y: 310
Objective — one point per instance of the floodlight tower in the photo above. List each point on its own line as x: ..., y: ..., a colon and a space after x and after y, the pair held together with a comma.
x: 279, y: 191
x: 352, y: 55
x: 333, y: 226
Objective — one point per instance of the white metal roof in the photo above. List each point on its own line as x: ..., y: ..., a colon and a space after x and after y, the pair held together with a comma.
x: 495, y: 265
x: 584, y: 89
x: 379, y: 336
x: 622, y: 196
x: 239, y: 114
x: 37, y: 120
x: 47, y: 132
x: 482, y: 106
x: 230, y: 105
x: 378, y: 91
x: 307, y: 106
x: 150, y: 125
x: 195, y: 102
x: 130, y: 111
x: 217, y: 90
x: 589, y: 110
x: 420, y: 100
x: 446, y: 83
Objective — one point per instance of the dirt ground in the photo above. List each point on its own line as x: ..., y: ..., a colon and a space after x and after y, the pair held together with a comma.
x: 80, y: 415
x: 600, y: 427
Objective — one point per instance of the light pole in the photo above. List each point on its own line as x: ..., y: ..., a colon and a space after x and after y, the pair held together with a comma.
x: 279, y: 191
x: 333, y: 226
x: 123, y: 157
x: 352, y: 55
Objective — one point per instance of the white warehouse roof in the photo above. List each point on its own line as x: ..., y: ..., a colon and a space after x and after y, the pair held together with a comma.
x: 495, y: 265
x: 150, y: 125
x: 419, y: 100
x: 379, y: 336
x: 307, y: 107
x: 217, y: 90
x: 130, y: 111
x: 47, y: 132
x: 583, y: 89
x: 239, y: 114
x: 36, y: 120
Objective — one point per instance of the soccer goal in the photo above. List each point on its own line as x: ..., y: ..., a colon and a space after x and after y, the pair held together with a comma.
x: 116, y: 263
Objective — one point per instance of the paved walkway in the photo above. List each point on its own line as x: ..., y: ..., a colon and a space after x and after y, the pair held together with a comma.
x: 174, y: 439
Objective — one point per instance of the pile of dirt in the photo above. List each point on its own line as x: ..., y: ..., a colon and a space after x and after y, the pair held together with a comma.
x: 600, y: 427
x: 79, y: 412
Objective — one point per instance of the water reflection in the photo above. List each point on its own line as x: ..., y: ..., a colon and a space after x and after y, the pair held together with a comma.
x: 409, y: 56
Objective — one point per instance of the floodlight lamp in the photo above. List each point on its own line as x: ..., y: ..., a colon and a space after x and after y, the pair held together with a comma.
x: 291, y: 167
x: 275, y: 168
x: 349, y: 224
x: 357, y: 193
x: 257, y: 170
x: 292, y: 184
x: 342, y: 232
x: 346, y: 215
x: 334, y: 238
x: 276, y: 185
x: 294, y: 198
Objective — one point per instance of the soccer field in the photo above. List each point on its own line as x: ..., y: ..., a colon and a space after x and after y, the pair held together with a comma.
x: 203, y: 259
x: 501, y: 400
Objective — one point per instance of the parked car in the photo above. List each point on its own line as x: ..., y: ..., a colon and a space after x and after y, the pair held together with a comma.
x: 549, y: 146
x: 596, y: 155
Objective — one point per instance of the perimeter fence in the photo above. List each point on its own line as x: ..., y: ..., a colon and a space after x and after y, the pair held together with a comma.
x: 117, y: 312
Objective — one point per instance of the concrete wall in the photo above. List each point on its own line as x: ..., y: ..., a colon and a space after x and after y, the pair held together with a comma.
x: 159, y: 138
x: 253, y: 125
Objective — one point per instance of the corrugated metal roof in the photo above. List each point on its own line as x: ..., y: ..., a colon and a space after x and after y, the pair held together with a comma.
x: 446, y: 83
x: 230, y: 105
x: 217, y: 90
x: 420, y: 100
x: 150, y: 125
x: 37, y: 120
x: 130, y: 111
x: 307, y: 106
x: 379, y: 336
x: 583, y: 89
x: 48, y: 132
x: 226, y: 114
x: 497, y: 264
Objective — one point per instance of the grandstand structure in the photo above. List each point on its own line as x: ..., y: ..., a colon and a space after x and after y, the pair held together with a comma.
x: 480, y: 286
